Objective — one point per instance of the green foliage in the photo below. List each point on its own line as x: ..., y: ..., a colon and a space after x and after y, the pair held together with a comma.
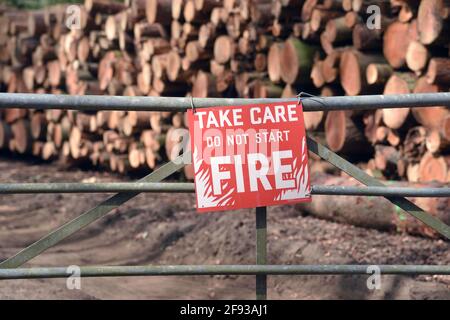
x: 36, y: 4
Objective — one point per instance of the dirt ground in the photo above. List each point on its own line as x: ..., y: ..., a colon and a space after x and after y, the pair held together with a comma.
x: 165, y: 229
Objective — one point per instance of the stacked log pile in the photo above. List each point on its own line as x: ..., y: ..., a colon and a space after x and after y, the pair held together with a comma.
x: 231, y: 48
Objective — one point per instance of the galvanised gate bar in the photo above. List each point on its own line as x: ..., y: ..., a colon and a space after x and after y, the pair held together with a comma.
x: 10, y: 268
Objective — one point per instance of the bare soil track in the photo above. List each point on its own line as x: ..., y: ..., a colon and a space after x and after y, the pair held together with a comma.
x: 165, y: 229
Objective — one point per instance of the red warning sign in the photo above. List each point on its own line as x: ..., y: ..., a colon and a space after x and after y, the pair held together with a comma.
x: 249, y: 156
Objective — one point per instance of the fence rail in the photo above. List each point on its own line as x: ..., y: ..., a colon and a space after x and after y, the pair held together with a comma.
x: 180, y: 187
x: 192, y: 270
x: 369, y: 102
x: 9, y: 268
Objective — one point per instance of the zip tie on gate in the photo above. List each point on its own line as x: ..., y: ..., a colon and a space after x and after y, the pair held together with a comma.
x: 299, y: 97
x: 192, y: 105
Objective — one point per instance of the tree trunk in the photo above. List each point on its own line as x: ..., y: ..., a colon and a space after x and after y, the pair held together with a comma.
x: 373, y: 212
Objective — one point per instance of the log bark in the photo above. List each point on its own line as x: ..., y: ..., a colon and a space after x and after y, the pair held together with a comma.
x: 338, y: 31
x: 439, y: 71
x: 365, y: 38
x: 103, y: 6
x: 36, y: 23
x: 372, y: 212
x: 378, y: 73
x: 5, y: 135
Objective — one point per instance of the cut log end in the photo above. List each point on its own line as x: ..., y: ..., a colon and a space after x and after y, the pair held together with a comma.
x: 296, y: 61
x: 335, y: 130
x: 430, y: 20
x: 416, y: 56
x: 395, y: 44
x: 350, y: 73
x: 397, y: 84
x: 432, y: 168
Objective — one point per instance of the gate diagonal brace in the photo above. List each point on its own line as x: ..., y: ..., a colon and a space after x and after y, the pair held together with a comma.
x: 89, y: 216
x: 366, y: 179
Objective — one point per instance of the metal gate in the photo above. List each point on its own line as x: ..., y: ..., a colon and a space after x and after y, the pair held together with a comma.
x: 11, y: 267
